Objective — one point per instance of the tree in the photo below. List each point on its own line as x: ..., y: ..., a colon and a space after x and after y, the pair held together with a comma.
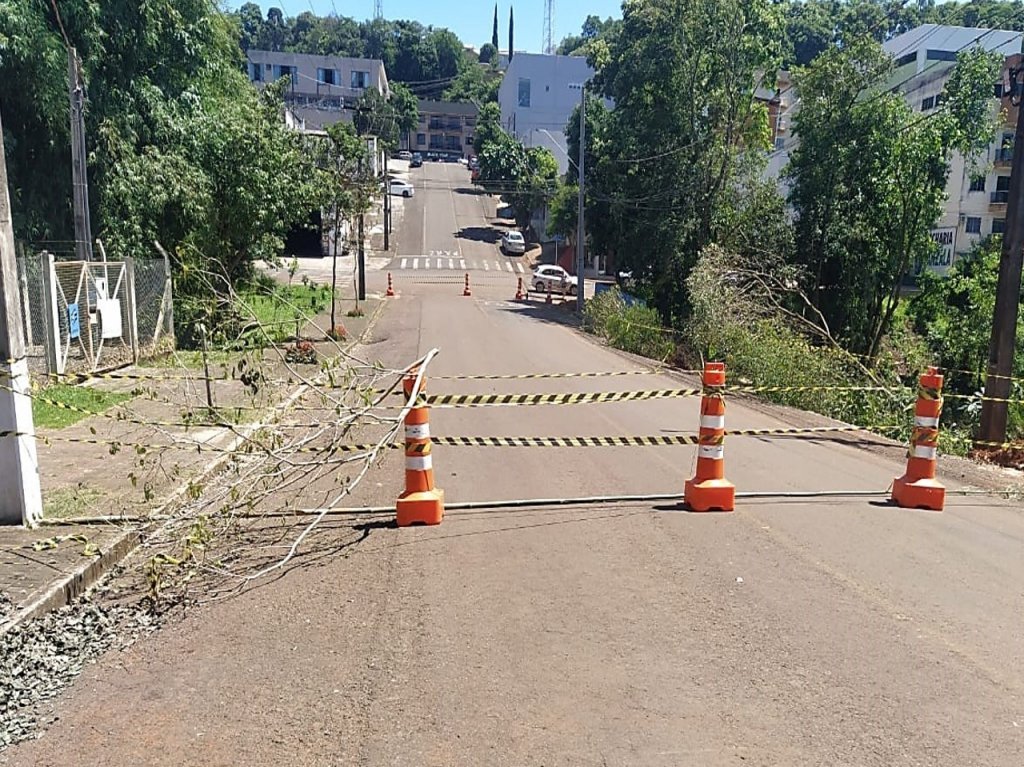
x: 494, y: 32
x: 251, y: 19
x: 511, y: 25
x: 344, y: 186
x: 868, y: 179
x: 488, y: 127
x: 685, y: 122
x: 525, y: 178
x: 387, y: 119
x: 488, y: 53
x: 475, y: 84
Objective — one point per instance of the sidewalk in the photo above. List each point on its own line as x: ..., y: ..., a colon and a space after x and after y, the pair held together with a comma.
x: 122, y: 470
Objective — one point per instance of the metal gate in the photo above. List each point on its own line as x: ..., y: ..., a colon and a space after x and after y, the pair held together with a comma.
x: 91, y: 318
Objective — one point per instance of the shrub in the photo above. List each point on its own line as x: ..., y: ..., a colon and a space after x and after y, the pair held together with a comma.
x: 635, y: 329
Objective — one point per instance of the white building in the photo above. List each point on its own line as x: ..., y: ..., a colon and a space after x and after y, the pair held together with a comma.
x: 321, y: 89
x: 537, y: 101
x: 976, y: 192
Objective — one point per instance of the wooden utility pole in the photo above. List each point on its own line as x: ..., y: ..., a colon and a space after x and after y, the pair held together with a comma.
x: 20, y: 497
x: 1004, y: 322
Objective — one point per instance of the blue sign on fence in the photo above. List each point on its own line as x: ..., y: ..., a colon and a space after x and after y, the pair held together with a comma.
x: 74, y: 326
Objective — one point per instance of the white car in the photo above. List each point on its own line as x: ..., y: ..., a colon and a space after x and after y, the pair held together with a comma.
x: 404, y: 188
x: 513, y: 243
x: 405, y: 154
x: 554, y: 278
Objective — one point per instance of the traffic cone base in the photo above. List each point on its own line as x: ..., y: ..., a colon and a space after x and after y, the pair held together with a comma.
x: 423, y: 508
x: 928, y: 494
x: 466, y: 291
x: 710, y: 495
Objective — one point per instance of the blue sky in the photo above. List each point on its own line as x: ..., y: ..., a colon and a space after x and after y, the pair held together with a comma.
x: 470, y: 21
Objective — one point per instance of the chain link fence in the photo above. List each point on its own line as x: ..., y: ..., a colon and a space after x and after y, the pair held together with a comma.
x: 82, y: 317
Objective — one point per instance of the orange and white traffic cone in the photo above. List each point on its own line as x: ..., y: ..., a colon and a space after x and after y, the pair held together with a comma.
x: 466, y: 291
x: 421, y: 503
x: 391, y: 287
x: 709, y: 490
x: 519, y: 290
x: 549, y: 294
x: 918, y: 488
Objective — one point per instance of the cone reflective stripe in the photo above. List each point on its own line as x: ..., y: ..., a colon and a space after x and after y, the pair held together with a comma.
x: 709, y: 490
x: 391, y: 287
x: 519, y: 290
x: 918, y: 488
x: 421, y: 503
x: 466, y: 291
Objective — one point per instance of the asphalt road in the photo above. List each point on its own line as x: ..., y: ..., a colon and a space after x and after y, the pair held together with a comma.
x: 795, y: 631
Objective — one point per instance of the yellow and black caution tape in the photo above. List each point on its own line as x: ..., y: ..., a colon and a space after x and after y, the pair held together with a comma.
x: 761, y: 389
x: 573, y: 398
x: 535, y: 376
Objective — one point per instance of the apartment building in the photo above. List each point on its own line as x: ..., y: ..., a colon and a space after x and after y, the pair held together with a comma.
x: 445, y: 130
x: 977, y: 189
x: 321, y: 89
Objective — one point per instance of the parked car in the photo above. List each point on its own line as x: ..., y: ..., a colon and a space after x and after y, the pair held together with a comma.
x: 553, y: 278
x: 474, y: 162
x: 416, y: 161
x: 513, y: 243
x: 405, y: 154
x: 404, y: 188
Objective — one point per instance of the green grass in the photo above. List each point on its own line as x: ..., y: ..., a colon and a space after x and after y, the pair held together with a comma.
x: 278, y: 310
x: 51, y: 416
x: 71, y: 501
x: 193, y: 360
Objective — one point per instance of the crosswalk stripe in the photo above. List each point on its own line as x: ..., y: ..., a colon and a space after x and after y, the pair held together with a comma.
x: 520, y: 268
x: 415, y: 263
x: 509, y: 267
x: 404, y: 262
x: 451, y: 263
x: 462, y: 263
x: 487, y: 267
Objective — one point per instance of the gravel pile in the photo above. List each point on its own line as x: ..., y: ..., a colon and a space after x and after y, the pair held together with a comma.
x: 41, y: 658
x: 6, y: 607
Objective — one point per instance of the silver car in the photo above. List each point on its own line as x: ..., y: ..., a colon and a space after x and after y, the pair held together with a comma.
x: 513, y: 243
x: 553, y: 278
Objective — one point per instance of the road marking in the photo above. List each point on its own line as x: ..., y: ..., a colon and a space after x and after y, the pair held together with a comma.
x: 404, y: 262
x: 451, y: 263
x: 487, y: 267
x: 415, y: 263
x: 509, y: 266
x: 520, y: 268
x: 462, y: 263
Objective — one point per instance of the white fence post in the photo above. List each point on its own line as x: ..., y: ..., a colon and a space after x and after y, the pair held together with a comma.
x: 54, y: 359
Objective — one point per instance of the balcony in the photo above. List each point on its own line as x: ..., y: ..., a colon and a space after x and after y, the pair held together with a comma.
x: 1004, y: 155
x: 999, y: 197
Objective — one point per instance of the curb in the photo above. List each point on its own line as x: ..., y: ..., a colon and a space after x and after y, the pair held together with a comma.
x: 73, y: 585
x: 76, y: 583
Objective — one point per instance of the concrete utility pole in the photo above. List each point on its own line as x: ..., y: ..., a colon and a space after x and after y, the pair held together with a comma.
x: 21, y: 500
x: 79, y: 176
x: 1004, y: 322
x: 581, y: 235
x: 387, y: 206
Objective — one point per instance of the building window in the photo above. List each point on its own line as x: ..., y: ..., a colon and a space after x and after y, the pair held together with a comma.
x: 360, y: 80
x: 421, y: 139
x: 524, y: 92
x: 977, y: 184
x: 327, y: 77
x: 973, y: 225
x: 436, y: 123
x: 469, y: 141
x: 284, y: 70
x: 780, y: 143
x: 436, y: 141
x: 256, y: 73
x: 904, y: 60
x: 935, y: 55
x: 1002, y: 183
x: 998, y: 225
x: 453, y: 143
x: 999, y: 90
x: 928, y: 103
